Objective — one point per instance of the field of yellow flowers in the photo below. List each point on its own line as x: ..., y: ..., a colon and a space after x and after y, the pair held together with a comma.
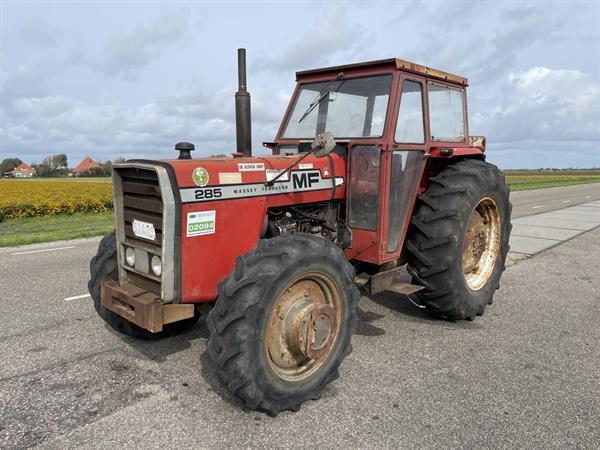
x: 29, y: 198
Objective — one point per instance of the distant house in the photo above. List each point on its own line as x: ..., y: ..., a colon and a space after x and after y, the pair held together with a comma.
x: 85, y: 165
x: 23, y: 170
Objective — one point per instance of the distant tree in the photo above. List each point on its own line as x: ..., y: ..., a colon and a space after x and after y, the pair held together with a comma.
x: 44, y: 170
x: 53, y: 166
x: 60, y: 161
x: 8, y: 165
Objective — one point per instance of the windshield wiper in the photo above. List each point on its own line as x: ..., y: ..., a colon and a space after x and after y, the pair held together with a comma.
x: 320, y: 97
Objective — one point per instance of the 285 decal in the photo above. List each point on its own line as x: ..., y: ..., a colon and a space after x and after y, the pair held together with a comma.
x: 208, y: 193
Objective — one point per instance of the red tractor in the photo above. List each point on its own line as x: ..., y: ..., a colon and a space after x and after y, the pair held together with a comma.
x: 372, y: 168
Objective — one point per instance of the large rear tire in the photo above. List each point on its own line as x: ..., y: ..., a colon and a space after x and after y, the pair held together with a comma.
x: 458, y: 239
x: 104, y: 265
x: 283, y: 321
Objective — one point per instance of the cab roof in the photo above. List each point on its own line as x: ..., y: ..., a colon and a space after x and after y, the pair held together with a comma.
x: 400, y: 64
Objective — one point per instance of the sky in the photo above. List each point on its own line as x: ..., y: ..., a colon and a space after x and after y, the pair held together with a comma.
x: 130, y: 79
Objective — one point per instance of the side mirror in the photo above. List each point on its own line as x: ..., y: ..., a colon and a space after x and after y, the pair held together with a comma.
x: 323, y: 144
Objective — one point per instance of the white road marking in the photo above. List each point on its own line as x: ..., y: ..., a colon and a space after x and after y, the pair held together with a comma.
x: 77, y: 297
x: 566, y: 201
x: 539, y: 206
x: 588, y: 196
x: 40, y: 251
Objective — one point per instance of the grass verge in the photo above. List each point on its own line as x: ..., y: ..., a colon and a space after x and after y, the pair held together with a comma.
x: 31, y: 230
x: 520, y: 180
x: 516, y: 186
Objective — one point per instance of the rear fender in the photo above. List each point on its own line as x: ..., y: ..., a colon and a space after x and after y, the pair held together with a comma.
x: 440, y: 157
x: 456, y: 152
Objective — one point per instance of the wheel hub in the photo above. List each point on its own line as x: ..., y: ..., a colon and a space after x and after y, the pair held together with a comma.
x: 481, y: 243
x: 309, y: 332
x: 303, y: 327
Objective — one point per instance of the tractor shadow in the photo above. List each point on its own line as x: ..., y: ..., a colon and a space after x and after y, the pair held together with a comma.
x: 160, y: 349
x: 397, y: 303
x: 404, y: 308
x: 402, y: 304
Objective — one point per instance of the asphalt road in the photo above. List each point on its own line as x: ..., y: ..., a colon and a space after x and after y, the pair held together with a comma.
x: 526, y: 203
x: 526, y: 374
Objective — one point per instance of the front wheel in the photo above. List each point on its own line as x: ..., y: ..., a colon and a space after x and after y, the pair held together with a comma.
x: 458, y: 239
x: 283, y: 321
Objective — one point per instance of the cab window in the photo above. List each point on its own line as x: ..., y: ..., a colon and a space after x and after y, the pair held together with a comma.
x: 404, y: 180
x: 409, y: 128
x: 446, y: 113
x: 348, y: 108
x: 363, y: 190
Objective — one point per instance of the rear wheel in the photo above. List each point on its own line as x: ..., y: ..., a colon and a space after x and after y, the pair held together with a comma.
x: 104, y: 265
x: 283, y: 321
x: 458, y: 239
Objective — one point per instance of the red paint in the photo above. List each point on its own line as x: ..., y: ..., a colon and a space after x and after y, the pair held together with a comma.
x: 209, y: 258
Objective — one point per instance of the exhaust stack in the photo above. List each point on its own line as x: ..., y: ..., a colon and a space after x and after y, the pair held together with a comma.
x: 242, y: 109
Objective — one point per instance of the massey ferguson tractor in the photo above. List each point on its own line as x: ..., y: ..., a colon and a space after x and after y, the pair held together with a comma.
x: 372, y: 168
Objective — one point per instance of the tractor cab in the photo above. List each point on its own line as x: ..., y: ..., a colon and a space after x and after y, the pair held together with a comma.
x: 387, y: 118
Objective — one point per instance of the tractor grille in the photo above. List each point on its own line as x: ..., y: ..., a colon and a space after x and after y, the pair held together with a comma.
x: 142, y: 201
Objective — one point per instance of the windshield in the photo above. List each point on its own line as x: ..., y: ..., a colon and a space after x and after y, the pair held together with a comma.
x: 350, y: 108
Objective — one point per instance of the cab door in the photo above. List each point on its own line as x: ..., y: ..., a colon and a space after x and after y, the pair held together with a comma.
x: 406, y: 162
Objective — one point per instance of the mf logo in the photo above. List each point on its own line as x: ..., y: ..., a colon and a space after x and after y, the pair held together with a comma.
x: 304, y: 180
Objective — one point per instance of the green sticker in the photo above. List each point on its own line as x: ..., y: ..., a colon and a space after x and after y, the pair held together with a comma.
x: 200, y: 223
x: 200, y: 176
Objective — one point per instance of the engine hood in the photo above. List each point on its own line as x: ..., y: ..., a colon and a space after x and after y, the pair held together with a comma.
x: 212, y: 172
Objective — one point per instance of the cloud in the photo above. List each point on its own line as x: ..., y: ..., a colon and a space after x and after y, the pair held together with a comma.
x: 486, y: 55
x: 37, y: 126
x: 521, y: 28
x: 126, y: 53
x: 37, y: 30
x: 454, y: 15
x: 23, y: 81
x: 543, y: 104
x: 332, y: 36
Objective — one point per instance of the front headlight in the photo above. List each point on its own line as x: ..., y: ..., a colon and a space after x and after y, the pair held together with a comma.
x: 130, y: 256
x: 156, y: 265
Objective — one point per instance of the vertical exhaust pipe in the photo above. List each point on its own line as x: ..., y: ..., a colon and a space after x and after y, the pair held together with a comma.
x: 242, y: 109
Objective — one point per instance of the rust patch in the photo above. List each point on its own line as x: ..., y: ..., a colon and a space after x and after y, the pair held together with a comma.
x: 140, y: 306
x: 477, y: 142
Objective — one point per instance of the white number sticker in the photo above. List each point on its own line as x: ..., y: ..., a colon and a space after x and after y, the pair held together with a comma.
x: 272, y: 173
x: 201, y: 223
x: 143, y: 229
